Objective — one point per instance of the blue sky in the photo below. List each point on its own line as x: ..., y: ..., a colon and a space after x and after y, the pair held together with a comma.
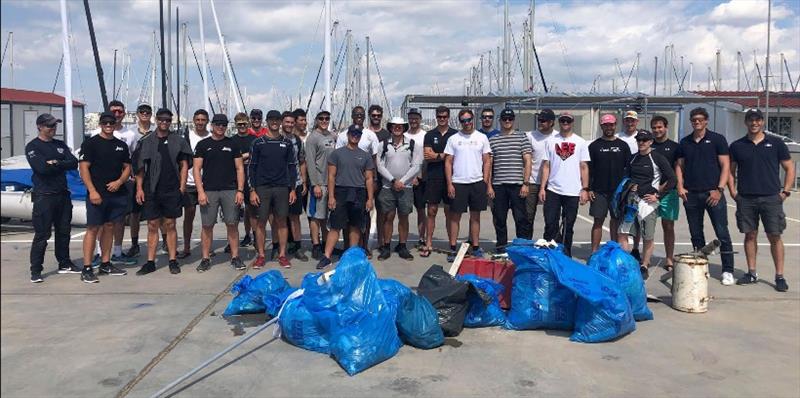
x: 421, y: 47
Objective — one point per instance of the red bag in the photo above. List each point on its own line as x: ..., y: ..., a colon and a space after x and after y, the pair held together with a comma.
x: 501, y: 272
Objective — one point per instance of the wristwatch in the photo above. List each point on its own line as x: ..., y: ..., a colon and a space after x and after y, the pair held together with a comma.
x: 721, y: 189
x: 526, y: 183
x: 787, y: 193
x: 240, y: 190
x: 585, y: 189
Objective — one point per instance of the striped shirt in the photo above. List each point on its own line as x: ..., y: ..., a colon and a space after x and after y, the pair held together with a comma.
x: 508, y: 165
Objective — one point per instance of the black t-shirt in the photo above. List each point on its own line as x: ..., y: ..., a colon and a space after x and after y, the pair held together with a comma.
x: 435, y: 140
x: 383, y: 135
x: 168, y: 178
x: 758, y: 165
x: 107, y: 158
x: 244, y: 142
x: 701, y: 169
x: 219, y: 166
x: 650, y: 171
x: 668, y: 149
x: 608, y: 162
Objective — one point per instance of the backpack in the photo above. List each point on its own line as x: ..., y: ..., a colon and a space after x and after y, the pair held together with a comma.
x: 386, y: 149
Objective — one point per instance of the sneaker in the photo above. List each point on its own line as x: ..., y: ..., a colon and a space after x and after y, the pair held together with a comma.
x: 205, y: 265
x: 110, y: 269
x: 69, y: 268
x: 87, y: 275
x: 292, y: 247
x: 133, y: 252
x: 384, y: 252
x: 727, y: 278
x: 163, y: 249
x: 147, y: 268
x: 780, y: 284
x: 636, y: 255
x: 316, y: 252
x: 174, y: 268
x: 748, y: 279
x: 258, y: 263
x: 451, y: 257
x: 95, y: 261
x: 284, y: 262
x: 237, y: 264
x: 36, y: 277
x: 477, y: 252
x: 246, y: 241
x: 123, y: 260
x: 300, y: 255
x: 402, y: 252
x: 227, y: 249
x: 645, y: 272
x: 323, y: 262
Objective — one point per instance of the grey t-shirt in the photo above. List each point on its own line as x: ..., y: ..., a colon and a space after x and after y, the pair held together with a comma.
x: 318, y: 147
x: 350, y: 166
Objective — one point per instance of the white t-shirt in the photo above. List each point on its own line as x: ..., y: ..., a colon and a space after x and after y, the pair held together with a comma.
x: 565, y: 156
x: 538, y: 145
x: 467, y: 151
x: 419, y: 143
x: 630, y: 140
x: 194, y: 138
x: 130, y: 136
x: 369, y: 141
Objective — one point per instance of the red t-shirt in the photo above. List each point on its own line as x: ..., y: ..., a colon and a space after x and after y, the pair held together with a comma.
x: 259, y: 133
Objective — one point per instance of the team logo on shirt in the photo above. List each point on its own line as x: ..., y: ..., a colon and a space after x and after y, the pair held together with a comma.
x: 60, y: 150
x: 707, y: 141
x: 768, y: 145
x: 32, y: 154
x: 226, y: 149
x: 119, y: 149
x: 565, y: 149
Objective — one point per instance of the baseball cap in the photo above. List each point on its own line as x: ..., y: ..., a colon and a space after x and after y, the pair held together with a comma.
x: 144, y: 107
x: 753, y: 114
x: 323, y: 112
x: 256, y: 114
x: 547, y: 114
x: 355, y: 131
x: 644, y: 135
x: 273, y: 114
x: 507, y: 112
x: 107, y: 116
x: 631, y: 115
x: 566, y: 115
x: 46, y: 118
x: 164, y: 111
x: 414, y: 111
x: 220, y: 118
x: 608, y: 118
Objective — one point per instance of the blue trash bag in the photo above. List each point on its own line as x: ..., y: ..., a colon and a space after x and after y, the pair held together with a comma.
x: 394, y: 292
x: 274, y: 301
x: 352, y: 308
x: 301, y: 329
x: 484, y: 306
x: 538, y: 301
x: 418, y: 322
x: 621, y: 267
x: 603, y: 312
x: 250, y: 292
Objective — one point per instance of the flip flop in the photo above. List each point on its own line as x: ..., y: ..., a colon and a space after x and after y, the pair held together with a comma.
x: 425, y: 252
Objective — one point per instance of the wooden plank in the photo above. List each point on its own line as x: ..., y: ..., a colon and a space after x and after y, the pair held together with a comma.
x: 459, y: 258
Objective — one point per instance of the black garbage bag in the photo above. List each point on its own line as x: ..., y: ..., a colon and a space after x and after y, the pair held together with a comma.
x: 448, y: 296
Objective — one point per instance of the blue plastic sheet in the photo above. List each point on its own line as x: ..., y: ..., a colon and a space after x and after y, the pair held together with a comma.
x: 250, y: 293
x: 484, y: 309
x: 538, y: 301
x: 621, y: 267
x: 418, y: 323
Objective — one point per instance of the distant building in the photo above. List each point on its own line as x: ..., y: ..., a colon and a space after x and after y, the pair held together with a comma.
x: 784, y: 111
x: 18, y: 112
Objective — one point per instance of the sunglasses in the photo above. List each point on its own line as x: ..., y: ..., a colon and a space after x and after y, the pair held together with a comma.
x: 442, y: 117
x: 487, y: 117
x: 643, y: 140
x: 107, y: 123
x: 241, y: 124
x: 165, y: 119
x: 220, y: 124
x: 51, y: 125
x: 507, y: 119
x: 376, y: 115
x: 544, y: 120
x: 358, y: 115
x: 324, y: 118
x: 698, y: 120
x: 145, y: 112
x: 565, y: 121
x: 465, y: 120
x: 117, y: 111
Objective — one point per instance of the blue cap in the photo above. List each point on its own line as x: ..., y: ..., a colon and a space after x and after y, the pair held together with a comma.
x: 355, y: 131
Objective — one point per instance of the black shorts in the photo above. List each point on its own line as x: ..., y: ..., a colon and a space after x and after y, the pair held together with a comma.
x: 190, y: 196
x: 436, y: 192
x: 601, y: 205
x: 470, y: 195
x: 112, y: 209
x: 350, y: 208
x: 162, y: 204
x: 419, y: 196
x: 136, y: 208
x: 768, y: 208
x: 296, y: 208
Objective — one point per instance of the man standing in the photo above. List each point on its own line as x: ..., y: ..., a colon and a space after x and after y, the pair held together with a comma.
x: 244, y: 142
x: 435, y: 184
x: 350, y: 179
x: 630, y: 123
x: 487, y: 123
x: 651, y: 175
x: 144, y: 126
x: 272, y: 187
x: 200, y: 122
x: 300, y: 125
x: 105, y: 166
x: 417, y: 134
x: 756, y: 157
x: 511, y: 169
x: 565, y: 182
x: 609, y: 159
x: 50, y: 159
x: 162, y: 168
x: 319, y: 145
x: 398, y: 164
x: 295, y: 239
x: 467, y: 170
x: 538, y: 138
x: 702, y: 170
x: 256, y: 118
x: 219, y: 175
x: 668, y: 203
x: 375, y: 113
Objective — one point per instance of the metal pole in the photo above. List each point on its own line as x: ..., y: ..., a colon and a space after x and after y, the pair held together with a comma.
x: 185, y: 66
x: 719, y: 70
x: 114, y: 75
x: 327, y: 98
x: 206, y: 98
x: 655, y: 77
x: 97, y: 64
x: 369, y: 85
x: 766, y: 83
x: 227, y: 59
x: 506, y: 52
x: 178, y: 67
x: 153, y: 75
x: 69, y: 137
x: 11, y: 44
x: 163, y: 59
x: 169, y: 53
x: 738, y: 71
x: 780, y: 85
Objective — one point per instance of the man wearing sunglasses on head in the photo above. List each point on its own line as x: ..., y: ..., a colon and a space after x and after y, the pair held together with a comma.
x: 467, y: 170
x: 144, y: 126
x: 162, y: 167
x: 417, y: 134
x: 244, y: 141
x: 487, y: 123
x: 190, y: 199
x: 435, y: 184
x: 319, y: 145
x: 256, y: 118
x: 565, y: 182
x: 105, y: 167
x: 546, y: 120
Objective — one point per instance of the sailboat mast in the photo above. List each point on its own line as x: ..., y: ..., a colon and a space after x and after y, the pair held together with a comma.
x: 327, y: 97
x: 69, y: 137
x: 97, y: 64
x: 163, y: 59
x: 227, y: 59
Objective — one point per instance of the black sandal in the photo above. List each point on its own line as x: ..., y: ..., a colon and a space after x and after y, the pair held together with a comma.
x: 184, y: 254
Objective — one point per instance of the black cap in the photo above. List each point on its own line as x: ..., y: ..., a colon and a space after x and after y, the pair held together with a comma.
x: 323, y: 112
x: 46, y: 118
x: 355, y: 130
x: 507, y: 112
x: 414, y: 111
x: 220, y: 118
x: 256, y: 114
x: 163, y: 112
x: 273, y: 114
x: 107, y: 116
x: 753, y: 114
x: 144, y: 107
x: 547, y: 114
x: 644, y: 135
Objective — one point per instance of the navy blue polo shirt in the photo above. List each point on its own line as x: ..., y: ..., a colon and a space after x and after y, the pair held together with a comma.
x: 701, y: 167
x: 489, y: 133
x: 758, y: 165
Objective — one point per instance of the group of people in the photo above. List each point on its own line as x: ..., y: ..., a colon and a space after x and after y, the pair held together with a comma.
x: 274, y: 174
